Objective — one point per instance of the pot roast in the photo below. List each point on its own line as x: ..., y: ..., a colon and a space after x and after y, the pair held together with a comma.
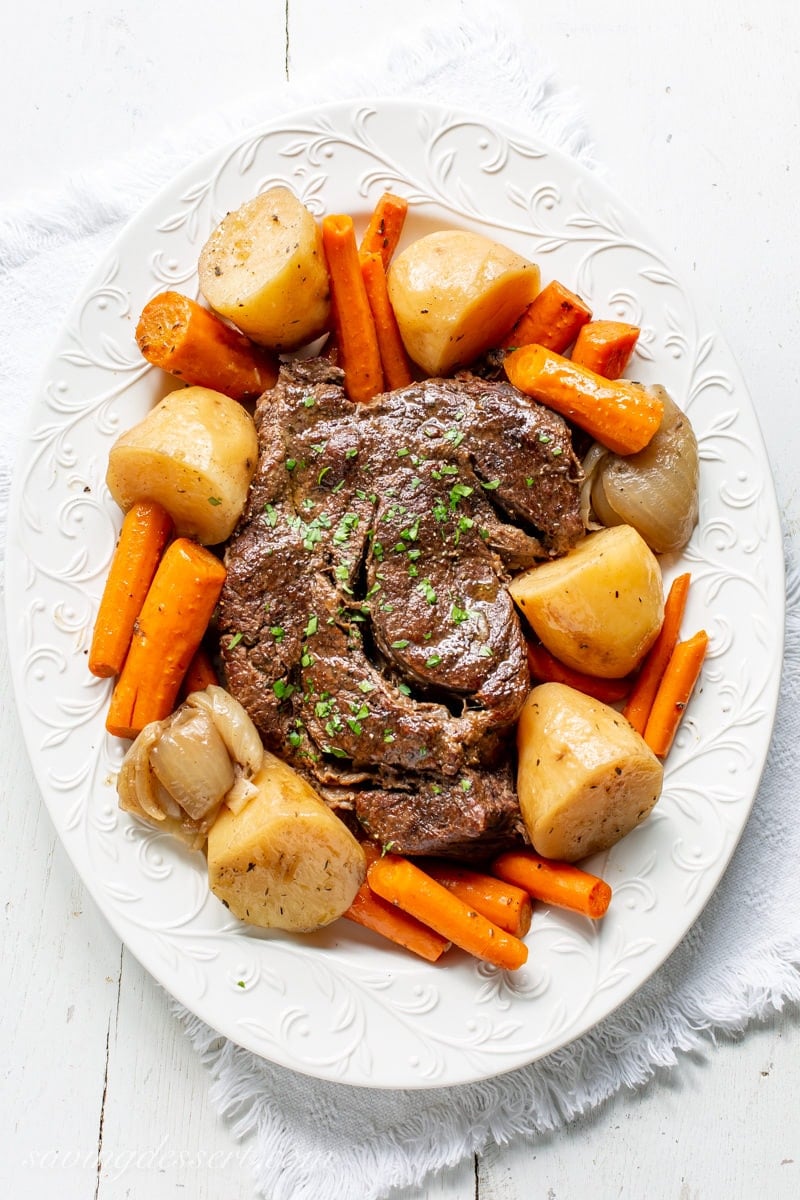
x: 365, y: 623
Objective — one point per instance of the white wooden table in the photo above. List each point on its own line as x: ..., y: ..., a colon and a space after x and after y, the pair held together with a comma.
x: 695, y: 111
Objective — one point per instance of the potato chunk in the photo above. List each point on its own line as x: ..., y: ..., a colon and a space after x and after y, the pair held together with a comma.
x: 284, y: 861
x: 195, y: 453
x: 455, y: 294
x: 264, y: 269
x: 585, y: 776
x: 600, y: 607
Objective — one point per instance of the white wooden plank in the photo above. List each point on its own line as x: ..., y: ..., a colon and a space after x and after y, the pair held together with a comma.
x: 58, y: 965
x: 722, y: 1124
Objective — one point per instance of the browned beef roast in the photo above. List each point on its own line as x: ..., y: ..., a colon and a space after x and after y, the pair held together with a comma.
x: 365, y: 623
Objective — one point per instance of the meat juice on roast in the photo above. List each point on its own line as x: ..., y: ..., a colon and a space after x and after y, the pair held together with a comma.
x: 365, y: 623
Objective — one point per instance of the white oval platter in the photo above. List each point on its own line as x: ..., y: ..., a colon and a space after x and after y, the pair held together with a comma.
x: 339, y: 1005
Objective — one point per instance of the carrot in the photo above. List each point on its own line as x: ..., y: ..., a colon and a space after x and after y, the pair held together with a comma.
x: 605, y: 347
x: 621, y: 415
x: 200, y: 673
x: 639, y: 703
x: 502, y: 903
x: 552, y: 319
x: 677, y: 685
x: 170, y: 627
x: 185, y: 339
x: 403, y: 884
x: 144, y: 534
x: 394, y: 360
x: 553, y: 882
x: 546, y: 668
x: 396, y: 926
x: 369, y: 910
x: 385, y: 226
x: 354, y: 327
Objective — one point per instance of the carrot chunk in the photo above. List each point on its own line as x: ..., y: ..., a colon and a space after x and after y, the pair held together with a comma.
x: 394, y: 360
x: 621, y: 415
x: 145, y: 531
x: 169, y: 629
x: 502, y: 903
x: 200, y: 674
x: 674, y: 692
x: 552, y: 319
x: 180, y: 336
x: 554, y: 882
x: 640, y: 702
x: 546, y: 668
x: 354, y: 327
x: 385, y: 226
x: 605, y: 347
x: 402, y: 883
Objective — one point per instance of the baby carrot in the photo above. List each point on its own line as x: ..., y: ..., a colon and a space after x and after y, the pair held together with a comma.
x: 546, y: 668
x: 674, y: 691
x: 170, y: 627
x: 180, y: 336
x: 639, y: 703
x: 605, y: 347
x: 552, y: 319
x: 200, y: 673
x: 145, y: 531
x: 554, y: 882
x: 371, y: 911
x: 502, y: 903
x: 621, y: 415
x: 396, y: 367
x: 354, y: 326
x: 385, y: 226
x: 401, y: 883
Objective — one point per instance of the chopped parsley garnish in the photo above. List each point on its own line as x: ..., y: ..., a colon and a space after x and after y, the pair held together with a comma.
x: 215, y: 500
x: 426, y: 587
x: 290, y: 464
x: 282, y: 689
x: 400, y: 644
x: 270, y: 515
x: 459, y: 615
x: 237, y: 637
x: 459, y: 491
x: 278, y: 632
x: 491, y: 484
x: 433, y: 660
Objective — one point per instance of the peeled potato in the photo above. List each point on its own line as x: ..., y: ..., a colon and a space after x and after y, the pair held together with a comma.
x: 585, y: 777
x: 600, y: 607
x: 455, y: 294
x: 195, y: 453
x: 284, y: 861
x: 264, y: 269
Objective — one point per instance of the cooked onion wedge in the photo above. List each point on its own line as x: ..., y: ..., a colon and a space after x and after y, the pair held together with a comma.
x: 656, y: 490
